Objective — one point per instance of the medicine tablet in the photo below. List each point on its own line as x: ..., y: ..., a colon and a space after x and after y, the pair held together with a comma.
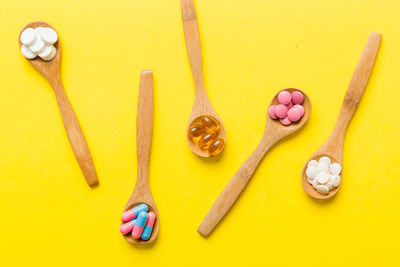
x: 37, y: 46
x: 312, y: 172
x: 336, y: 180
x: 27, y: 52
x: 284, y: 97
x: 289, y: 106
x: 28, y: 37
x: 294, y: 114
x: 46, y: 51
x: 271, y: 112
x: 300, y: 107
x: 335, y: 168
x: 312, y: 163
x: 310, y: 180
x: 281, y: 111
x: 52, y: 55
x: 329, y: 185
x: 323, y: 189
x: 315, y: 183
x: 48, y: 35
x: 323, y: 177
x: 297, y: 98
x: 322, y: 167
x: 325, y: 160
x: 285, y: 121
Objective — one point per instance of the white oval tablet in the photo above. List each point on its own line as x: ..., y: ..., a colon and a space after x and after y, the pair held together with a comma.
x: 335, y: 168
x: 27, y: 53
x: 329, y: 185
x: 38, y: 46
x: 52, y: 55
x: 323, y: 177
x: 315, y: 184
x: 46, y: 51
x: 322, y: 167
x: 48, y: 35
x: 312, y: 163
x: 326, y: 160
x: 336, y: 180
x: 323, y: 189
x: 28, y: 37
x: 311, y: 172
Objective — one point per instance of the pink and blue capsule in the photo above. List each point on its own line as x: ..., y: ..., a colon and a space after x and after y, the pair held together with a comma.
x: 127, y: 227
x: 149, y: 226
x: 131, y: 214
x: 139, y: 225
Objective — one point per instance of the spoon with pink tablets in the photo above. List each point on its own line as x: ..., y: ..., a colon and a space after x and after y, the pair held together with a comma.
x: 139, y: 221
x: 275, y: 130
x: 320, y: 177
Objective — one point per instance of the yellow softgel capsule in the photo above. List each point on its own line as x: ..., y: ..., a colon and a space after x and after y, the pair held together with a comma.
x: 210, y: 124
x: 195, y: 131
x: 206, y: 140
x: 216, y: 147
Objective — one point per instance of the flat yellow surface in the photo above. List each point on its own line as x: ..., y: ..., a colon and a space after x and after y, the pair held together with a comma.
x: 251, y: 49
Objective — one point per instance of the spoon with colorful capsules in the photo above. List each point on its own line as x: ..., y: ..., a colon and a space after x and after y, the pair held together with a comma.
x: 274, y: 132
x: 144, y: 129
x: 51, y: 71
x: 333, y: 147
x: 202, y: 111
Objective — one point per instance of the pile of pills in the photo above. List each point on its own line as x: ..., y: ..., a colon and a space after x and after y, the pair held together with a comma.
x: 39, y: 42
x: 289, y: 109
x: 323, y: 175
x: 204, y: 135
x: 138, y: 222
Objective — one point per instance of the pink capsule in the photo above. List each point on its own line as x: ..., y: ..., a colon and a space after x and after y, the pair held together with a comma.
x: 297, y: 98
x: 281, y: 111
x: 149, y: 226
x: 271, y: 112
x: 284, y: 97
x: 139, y: 225
x: 127, y: 227
x: 134, y: 212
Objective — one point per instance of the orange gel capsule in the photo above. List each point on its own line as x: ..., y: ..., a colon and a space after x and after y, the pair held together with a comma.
x: 216, y: 147
x: 195, y: 131
x: 210, y: 124
x: 206, y: 140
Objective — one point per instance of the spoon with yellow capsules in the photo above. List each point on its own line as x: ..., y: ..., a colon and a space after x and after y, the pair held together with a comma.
x: 206, y: 135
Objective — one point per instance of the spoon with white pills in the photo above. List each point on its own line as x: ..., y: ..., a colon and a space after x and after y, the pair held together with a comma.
x: 48, y: 64
x: 202, y: 107
x: 144, y: 129
x: 332, y: 150
x: 274, y: 132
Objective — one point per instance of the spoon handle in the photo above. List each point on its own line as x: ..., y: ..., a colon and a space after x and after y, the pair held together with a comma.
x: 144, y: 129
x: 192, y: 38
x: 75, y: 135
x: 358, y: 83
x: 233, y: 189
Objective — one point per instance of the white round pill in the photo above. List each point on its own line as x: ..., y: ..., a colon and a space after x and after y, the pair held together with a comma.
x: 335, y: 168
x: 52, y: 55
x: 27, y: 53
x: 323, y: 177
x: 322, y: 167
x: 323, y: 189
x: 326, y: 160
x: 38, y: 46
x: 311, y: 172
x: 312, y: 163
x: 310, y: 180
x: 46, y: 51
x: 315, y: 183
x: 336, y: 180
x: 48, y: 35
x: 28, y: 36
x: 329, y: 185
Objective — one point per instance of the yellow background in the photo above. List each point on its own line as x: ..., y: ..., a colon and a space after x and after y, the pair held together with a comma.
x: 251, y: 49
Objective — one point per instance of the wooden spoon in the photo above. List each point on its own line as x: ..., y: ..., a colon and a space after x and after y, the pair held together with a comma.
x: 51, y: 71
x: 144, y: 128
x: 202, y: 105
x: 274, y: 131
x: 333, y: 147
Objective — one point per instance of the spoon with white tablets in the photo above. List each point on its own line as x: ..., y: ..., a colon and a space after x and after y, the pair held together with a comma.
x: 320, y: 176
x: 39, y: 43
x: 274, y: 132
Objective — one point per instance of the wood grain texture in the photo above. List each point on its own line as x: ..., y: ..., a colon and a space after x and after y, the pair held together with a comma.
x: 274, y: 132
x: 144, y: 130
x: 202, y: 105
x: 333, y: 147
x: 51, y: 71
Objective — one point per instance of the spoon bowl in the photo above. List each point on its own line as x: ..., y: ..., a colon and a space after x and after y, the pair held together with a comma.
x: 273, y: 133
x: 51, y: 71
